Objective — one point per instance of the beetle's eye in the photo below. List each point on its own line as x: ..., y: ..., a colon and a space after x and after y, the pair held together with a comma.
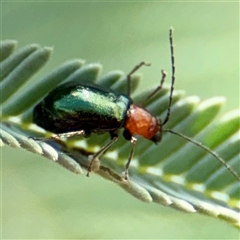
x: 157, y: 137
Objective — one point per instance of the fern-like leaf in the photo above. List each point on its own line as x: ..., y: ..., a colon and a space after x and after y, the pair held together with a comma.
x: 174, y: 173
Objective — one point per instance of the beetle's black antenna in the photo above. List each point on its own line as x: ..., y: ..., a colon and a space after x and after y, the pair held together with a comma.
x: 164, y: 74
x: 173, y: 76
x: 214, y: 154
x: 234, y: 173
x: 131, y: 73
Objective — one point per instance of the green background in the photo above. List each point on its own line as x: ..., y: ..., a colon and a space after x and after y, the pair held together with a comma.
x: 41, y: 199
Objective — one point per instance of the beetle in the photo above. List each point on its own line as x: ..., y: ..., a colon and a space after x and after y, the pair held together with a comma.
x: 83, y: 108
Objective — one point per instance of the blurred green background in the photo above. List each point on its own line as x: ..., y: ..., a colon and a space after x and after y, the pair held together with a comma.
x: 41, y: 199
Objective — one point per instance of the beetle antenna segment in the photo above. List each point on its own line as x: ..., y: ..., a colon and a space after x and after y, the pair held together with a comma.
x: 131, y: 73
x: 173, y: 75
x: 101, y: 151
x: 133, y: 141
x: 234, y: 173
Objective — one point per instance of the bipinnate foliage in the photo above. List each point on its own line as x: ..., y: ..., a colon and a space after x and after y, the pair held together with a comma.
x: 174, y: 173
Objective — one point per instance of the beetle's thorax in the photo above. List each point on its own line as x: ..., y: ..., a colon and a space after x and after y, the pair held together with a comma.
x: 140, y: 122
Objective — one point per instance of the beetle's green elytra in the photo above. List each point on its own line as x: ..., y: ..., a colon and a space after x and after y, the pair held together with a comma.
x: 89, y: 107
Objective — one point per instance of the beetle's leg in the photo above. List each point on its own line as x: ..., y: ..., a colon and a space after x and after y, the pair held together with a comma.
x: 60, y: 136
x: 163, y: 78
x: 101, y: 151
x: 131, y: 73
x: 133, y: 142
x: 68, y: 134
x: 158, y: 88
x: 164, y: 74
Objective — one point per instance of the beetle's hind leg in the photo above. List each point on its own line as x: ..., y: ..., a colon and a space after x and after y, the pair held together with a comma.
x: 68, y: 134
x: 60, y: 136
x: 101, y: 151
